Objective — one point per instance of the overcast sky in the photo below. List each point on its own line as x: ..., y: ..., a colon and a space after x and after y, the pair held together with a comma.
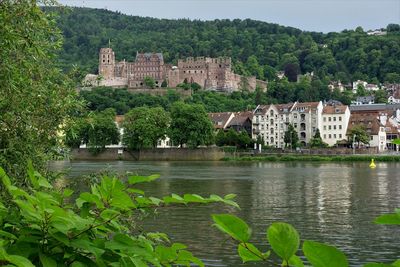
x: 312, y: 15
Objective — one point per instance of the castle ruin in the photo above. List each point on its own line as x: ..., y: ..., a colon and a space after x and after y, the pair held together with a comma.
x: 209, y: 73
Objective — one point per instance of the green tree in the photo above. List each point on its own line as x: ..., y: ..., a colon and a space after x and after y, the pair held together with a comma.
x: 291, y: 138
x: 260, y: 97
x: 149, y: 82
x: 316, y: 141
x: 102, y: 130
x: 361, y: 90
x: 359, y: 134
x: 190, y: 125
x: 220, y: 138
x: 380, y: 96
x: 195, y: 87
x: 36, y: 99
x: 144, y: 126
x: 76, y: 132
x: 291, y: 72
x: 392, y: 78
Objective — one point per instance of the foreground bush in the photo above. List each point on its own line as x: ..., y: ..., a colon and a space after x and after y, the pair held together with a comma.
x: 42, y: 227
x: 284, y: 241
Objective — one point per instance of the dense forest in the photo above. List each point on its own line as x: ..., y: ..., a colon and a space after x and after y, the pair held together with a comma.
x: 257, y: 48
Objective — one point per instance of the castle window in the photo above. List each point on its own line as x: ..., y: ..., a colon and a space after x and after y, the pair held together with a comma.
x: 216, y: 77
x: 220, y: 65
x: 104, y: 61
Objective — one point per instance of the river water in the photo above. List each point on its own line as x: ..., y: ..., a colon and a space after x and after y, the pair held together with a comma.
x: 326, y: 202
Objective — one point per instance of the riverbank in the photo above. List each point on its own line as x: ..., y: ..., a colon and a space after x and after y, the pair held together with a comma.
x: 331, y: 158
x: 218, y: 154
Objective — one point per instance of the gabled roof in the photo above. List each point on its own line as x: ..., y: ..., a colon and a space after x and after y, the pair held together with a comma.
x: 284, y: 108
x: 369, y: 120
x: 221, y: 119
x: 261, y: 109
x: 334, y: 109
x: 305, y: 106
x: 240, y: 118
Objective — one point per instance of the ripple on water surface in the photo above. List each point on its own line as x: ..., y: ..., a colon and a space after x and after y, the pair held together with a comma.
x: 327, y: 202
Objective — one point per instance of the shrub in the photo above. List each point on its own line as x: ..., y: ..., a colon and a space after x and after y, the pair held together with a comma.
x: 40, y: 226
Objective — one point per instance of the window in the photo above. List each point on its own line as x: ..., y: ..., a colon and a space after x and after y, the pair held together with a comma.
x: 340, y: 126
x: 329, y: 119
x: 329, y: 127
x: 324, y: 119
x: 324, y: 127
x: 330, y: 136
x: 334, y: 127
x: 334, y: 136
x: 340, y: 118
x: 340, y: 135
x: 295, y: 125
x: 324, y: 136
x: 334, y: 118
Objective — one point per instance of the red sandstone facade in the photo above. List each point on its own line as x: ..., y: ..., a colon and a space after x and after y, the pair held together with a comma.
x: 209, y: 73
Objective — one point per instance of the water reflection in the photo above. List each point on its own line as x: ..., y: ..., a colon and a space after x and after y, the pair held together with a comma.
x: 334, y: 203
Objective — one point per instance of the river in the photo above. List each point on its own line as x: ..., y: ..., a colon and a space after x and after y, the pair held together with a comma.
x: 334, y: 203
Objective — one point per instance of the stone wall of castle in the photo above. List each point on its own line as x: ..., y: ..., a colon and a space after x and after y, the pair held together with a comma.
x: 209, y: 73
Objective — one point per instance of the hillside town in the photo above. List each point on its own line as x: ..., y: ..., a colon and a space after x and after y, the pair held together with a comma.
x: 331, y: 121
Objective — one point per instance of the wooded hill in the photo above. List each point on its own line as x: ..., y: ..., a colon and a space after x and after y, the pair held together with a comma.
x: 257, y: 48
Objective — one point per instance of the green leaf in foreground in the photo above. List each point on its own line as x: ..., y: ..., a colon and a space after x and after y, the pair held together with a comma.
x: 321, y: 255
x: 284, y: 239
x: 248, y: 252
x: 295, y: 261
x: 233, y: 226
x: 388, y: 219
x: 142, y: 179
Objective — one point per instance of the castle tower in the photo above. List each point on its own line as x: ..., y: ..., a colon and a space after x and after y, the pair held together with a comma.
x: 106, y: 63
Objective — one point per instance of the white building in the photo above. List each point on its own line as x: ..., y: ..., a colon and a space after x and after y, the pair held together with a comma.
x: 371, y: 87
x: 392, y: 100
x: 266, y: 124
x: 306, y: 118
x: 335, y: 119
x: 271, y: 121
x: 357, y: 83
x: 336, y: 85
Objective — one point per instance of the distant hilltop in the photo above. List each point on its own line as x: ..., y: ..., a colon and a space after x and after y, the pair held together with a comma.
x: 209, y: 73
x: 256, y: 48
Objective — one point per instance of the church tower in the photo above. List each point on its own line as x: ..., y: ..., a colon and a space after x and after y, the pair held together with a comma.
x: 106, y: 63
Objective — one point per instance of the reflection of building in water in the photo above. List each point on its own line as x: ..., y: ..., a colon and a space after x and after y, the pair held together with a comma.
x: 298, y: 194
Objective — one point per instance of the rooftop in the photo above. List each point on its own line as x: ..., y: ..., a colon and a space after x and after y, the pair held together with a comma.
x: 335, y: 109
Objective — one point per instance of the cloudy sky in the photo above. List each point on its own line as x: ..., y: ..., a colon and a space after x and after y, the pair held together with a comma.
x: 312, y: 15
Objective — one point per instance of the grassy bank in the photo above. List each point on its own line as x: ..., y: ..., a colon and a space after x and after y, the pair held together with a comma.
x: 343, y: 158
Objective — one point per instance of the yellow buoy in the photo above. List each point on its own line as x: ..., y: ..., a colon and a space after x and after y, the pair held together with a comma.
x: 372, y: 164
